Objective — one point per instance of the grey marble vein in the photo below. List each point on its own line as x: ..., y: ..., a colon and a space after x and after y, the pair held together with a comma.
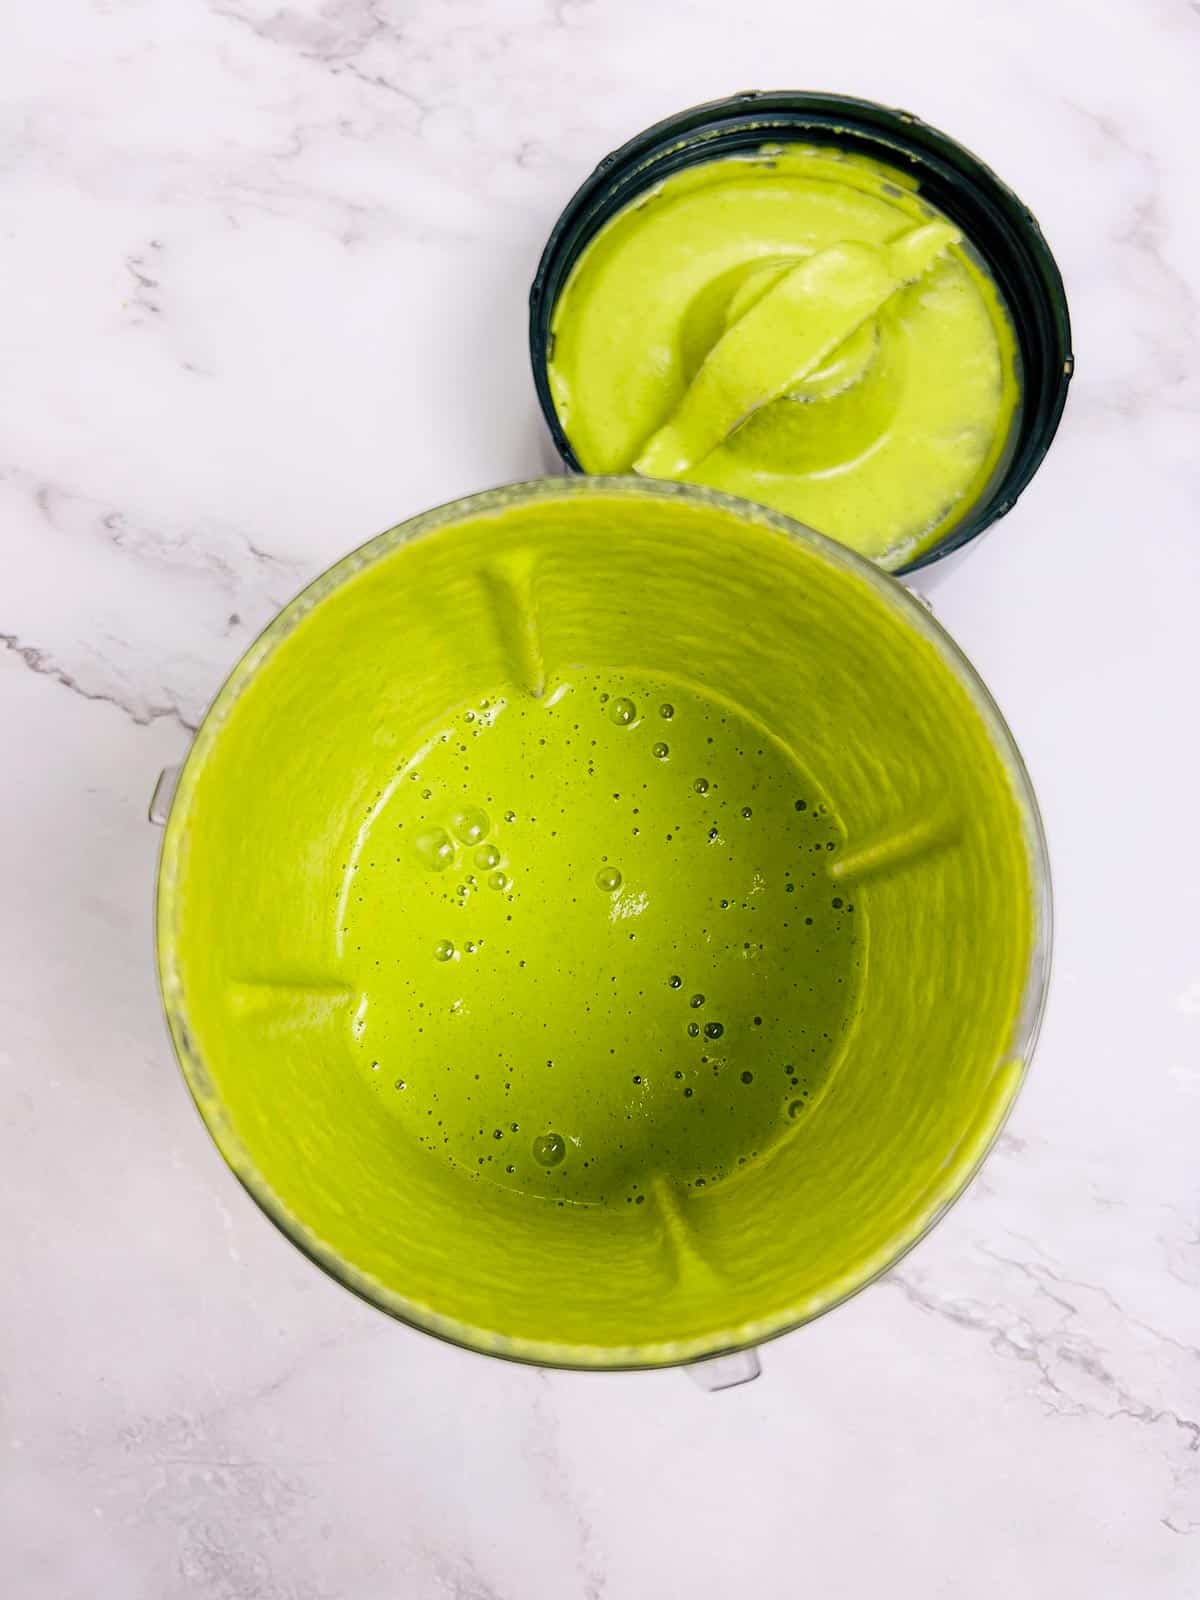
x: 1071, y: 1333
x: 43, y: 664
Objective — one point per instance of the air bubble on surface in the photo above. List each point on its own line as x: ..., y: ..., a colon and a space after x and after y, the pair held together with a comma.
x: 471, y: 825
x: 435, y: 847
x: 549, y: 1149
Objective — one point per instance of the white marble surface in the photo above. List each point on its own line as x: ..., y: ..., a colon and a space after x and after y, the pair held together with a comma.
x: 264, y: 267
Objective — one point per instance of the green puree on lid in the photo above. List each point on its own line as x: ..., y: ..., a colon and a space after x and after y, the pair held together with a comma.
x: 799, y: 327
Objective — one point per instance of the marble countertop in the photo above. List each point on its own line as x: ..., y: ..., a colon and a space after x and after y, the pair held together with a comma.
x: 264, y: 270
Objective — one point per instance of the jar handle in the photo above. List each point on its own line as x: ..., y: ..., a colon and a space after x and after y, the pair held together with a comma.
x: 725, y: 1372
x: 164, y: 792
